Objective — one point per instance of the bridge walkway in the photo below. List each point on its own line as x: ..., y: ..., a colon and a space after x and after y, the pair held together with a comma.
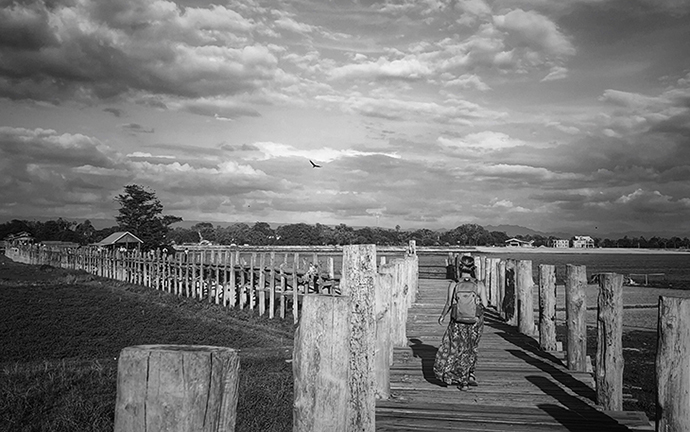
x: 521, y: 388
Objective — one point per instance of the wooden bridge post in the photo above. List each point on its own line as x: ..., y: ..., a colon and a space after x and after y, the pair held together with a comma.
x: 399, y: 304
x: 383, y: 354
x: 321, y: 361
x: 176, y: 388
x: 609, y: 360
x: 501, y: 280
x: 547, y: 307
x: 525, y: 285
x: 575, y: 311
x: 510, y: 300
x: 412, y: 266
x: 493, y: 282
x: 673, y: 365
x: 357, y: 282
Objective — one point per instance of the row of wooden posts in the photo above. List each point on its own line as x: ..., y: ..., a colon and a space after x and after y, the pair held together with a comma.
x: 343, y: 350
x: 511, y: 292
x: 272, y: 283
x: 343, y: 346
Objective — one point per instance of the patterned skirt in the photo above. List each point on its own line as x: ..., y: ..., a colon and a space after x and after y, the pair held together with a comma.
x: 457, y: 355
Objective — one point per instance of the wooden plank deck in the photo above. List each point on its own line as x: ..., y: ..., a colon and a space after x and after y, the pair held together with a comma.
x: 521, y: 388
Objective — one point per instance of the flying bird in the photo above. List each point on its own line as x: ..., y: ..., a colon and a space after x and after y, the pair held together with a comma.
x: 313, y: 165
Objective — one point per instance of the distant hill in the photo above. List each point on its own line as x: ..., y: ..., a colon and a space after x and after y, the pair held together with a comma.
x: 515, y: 230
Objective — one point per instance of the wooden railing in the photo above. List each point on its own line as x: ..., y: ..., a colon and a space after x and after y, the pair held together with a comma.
x: 271, y: 282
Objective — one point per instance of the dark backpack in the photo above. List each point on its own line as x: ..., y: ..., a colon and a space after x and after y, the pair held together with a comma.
x: 463, y: 308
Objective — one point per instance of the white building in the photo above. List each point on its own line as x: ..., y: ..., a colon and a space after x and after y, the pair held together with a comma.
x: 560, y: 243
x: 583, y: 242
x: 516, y: 242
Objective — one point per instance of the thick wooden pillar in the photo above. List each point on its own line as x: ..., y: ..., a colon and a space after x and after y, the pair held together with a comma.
x: 673, y: 365
x: 547, y: 307
x: 501, y: 280
x: 321, y: 363
x: 357, y: 282
x: 525, y: 283
x: 493, y: 282
x: 575, y: 311
x: 176, y: 388
x: 510, y: 310
x: 609, y: 360
x: 383, y: 354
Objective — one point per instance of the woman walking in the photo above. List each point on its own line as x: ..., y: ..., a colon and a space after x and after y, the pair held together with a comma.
x: 457, y: 356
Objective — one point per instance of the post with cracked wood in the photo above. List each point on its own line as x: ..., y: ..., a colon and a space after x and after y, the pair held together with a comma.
x: 383, y: 356
x: 176, y: 388
x: 609, y: 360
x: 524, y: 290
x: 673, y: 365
x: 357, y: 283
x: 547, y: 307
x: 510, y: 310
x: 320, y: 367
x: 575, y: 313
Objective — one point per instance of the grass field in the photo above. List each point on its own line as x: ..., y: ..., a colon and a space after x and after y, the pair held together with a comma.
x: 61, y: 333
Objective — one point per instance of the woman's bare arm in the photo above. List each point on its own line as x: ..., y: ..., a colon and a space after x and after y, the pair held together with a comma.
x: 483, y: 293
x: 446, y: 307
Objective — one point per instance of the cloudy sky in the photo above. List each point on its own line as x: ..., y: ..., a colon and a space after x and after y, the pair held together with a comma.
x: 571, y: 114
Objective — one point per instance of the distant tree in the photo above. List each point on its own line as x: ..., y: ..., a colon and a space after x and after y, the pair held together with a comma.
x: 86, y: 232
x: 204, y: 231
x: 343, y: 235
x: 261, y: 234
x: 298, y: 234
x: 15, y: 226
x: 180, y: 235
x: 55, y: 230
x: 141, y: 214
x: 426, y: 237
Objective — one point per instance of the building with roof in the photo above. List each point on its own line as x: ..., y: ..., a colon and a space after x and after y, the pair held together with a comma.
x: 560, y: 243
x: 122, y: 239
x: 583, y: 242
x: 516, y: 242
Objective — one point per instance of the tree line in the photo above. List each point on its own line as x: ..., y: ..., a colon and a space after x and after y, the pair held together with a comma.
x: 141, y: 213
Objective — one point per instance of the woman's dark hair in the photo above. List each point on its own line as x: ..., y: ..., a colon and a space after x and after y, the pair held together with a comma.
x: 467, y: 266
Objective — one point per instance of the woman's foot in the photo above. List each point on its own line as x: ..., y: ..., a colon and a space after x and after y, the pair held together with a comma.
x: 463, y: 387
x: 473, y: 381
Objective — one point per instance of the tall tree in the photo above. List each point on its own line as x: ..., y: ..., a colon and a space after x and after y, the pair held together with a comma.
x: 141, y: 214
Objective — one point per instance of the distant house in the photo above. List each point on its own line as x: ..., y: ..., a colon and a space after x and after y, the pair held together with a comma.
x: 560, y: 243
x: 13, y: 240
x: 20, y: 238
x: 123, y: 239
x: 583, y: 242
x: 516, y: 242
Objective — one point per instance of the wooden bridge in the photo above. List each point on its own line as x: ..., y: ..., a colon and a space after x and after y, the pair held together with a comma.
x: 521, y: 388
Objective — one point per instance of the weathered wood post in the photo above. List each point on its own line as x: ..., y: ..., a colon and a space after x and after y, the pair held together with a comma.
x: 501, y: 279
x: 321, y: 363
x: 673, y: 365
x: 525, y: 297
x: 547, y: 307
x: 176, y: 388
x: 493, y: 282
x: 398, y: 304
x: 609, y: 360
x: 412, y: 266
x: 510, y: 311
x: 575, y: 312
x: 357, y: 282
x: 384, y: 348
